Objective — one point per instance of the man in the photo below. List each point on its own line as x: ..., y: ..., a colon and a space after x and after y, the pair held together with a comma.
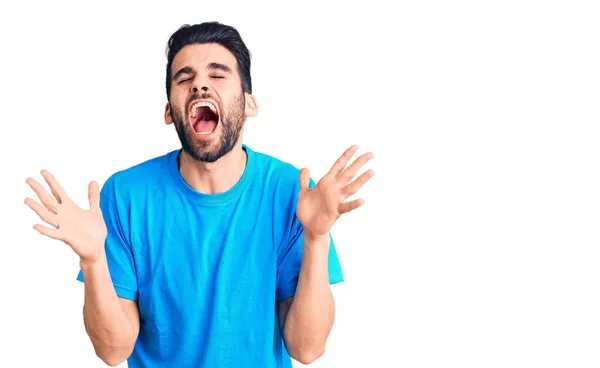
x: 212, y: 255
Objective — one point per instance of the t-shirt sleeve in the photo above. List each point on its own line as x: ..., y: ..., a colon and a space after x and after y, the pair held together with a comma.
x: 118, y: 251
x: 289, y: 259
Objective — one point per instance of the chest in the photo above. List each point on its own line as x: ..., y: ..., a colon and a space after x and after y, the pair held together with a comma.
x: 194, y: 261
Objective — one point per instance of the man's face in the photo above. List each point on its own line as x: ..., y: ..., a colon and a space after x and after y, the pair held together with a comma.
x: 207, y: 104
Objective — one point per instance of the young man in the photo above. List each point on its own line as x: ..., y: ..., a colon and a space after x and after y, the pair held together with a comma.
x: 212, y: 255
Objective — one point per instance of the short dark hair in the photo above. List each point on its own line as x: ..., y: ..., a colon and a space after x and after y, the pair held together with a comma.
x: 211, y: 32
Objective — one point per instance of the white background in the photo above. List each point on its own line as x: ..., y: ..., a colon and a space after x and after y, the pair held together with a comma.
x: 478, y: 245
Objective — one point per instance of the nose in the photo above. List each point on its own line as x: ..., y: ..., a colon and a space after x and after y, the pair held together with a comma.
x: 203, y: 88
x: 200, y: 84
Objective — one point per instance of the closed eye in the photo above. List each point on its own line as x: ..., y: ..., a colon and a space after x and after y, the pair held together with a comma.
x: 218, y: 76
x: 184, y: 80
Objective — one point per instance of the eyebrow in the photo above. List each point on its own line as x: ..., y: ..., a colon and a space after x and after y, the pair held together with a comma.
x: 219, y: 66
x: 184, y: 70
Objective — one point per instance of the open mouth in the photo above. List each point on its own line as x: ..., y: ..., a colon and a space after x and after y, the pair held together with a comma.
x: 204, y: 117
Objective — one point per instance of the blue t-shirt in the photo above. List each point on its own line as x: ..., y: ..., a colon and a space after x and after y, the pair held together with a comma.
x: 206, y: 269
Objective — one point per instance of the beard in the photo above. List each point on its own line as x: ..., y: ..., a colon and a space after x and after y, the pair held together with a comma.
x: 231, y: 121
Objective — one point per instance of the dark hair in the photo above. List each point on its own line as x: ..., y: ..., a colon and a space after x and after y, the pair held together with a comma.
x: 211, y: 32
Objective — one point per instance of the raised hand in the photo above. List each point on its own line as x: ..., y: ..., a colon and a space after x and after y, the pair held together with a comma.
x: 83, y: 230
x: 319, y: 207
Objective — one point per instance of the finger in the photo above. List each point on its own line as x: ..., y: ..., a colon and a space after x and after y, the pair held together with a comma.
x: 353, y: 187
x: 349, y: 173
x: 44, y: 197
x: 304, y: 179
x: 350, y: 206
x: 57, y: 190
x: 341, y: 162
x: 48, y: 231
x: 94, y: 195
x: 47, y: 216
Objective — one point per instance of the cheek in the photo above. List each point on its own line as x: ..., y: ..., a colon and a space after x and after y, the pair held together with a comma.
x: 177, y: 107
x: 178, y: 97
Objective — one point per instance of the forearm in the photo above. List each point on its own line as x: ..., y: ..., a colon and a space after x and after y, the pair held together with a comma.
x: 106, y: 322
x: 310, y: 318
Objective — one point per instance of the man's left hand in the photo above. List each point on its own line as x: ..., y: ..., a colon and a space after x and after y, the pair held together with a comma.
x: 319, y: 207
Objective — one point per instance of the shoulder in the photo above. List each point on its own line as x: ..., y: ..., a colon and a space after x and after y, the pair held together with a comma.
x: 276, y: 173
x: 128, y: 182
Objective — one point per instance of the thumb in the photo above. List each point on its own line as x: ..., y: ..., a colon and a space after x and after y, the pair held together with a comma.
x: 304, y: 179
x: 94, y: 195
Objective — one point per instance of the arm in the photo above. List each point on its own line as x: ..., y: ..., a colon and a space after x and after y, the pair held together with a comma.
x: 112, y: 323
x: 307, y: 318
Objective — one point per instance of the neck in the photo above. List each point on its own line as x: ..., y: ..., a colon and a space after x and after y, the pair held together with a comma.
x: 214, y: 177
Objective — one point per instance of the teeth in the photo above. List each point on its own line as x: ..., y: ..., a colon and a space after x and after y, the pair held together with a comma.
x: 203, y: 103
x: 206, y: 133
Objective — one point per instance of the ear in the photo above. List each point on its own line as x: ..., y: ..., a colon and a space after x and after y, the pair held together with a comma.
x: 168, y: 118
x: 251, y: 108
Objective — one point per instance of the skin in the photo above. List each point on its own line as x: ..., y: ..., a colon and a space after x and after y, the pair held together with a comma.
x: 210, y: 165
x: 221, y: 175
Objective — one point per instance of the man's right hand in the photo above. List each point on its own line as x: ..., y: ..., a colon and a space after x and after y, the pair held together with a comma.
x: 83, y: 230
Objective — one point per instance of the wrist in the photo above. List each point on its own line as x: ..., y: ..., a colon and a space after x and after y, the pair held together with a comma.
x: 92, y: 262
x: 316, y: 240
x: 315, y: 252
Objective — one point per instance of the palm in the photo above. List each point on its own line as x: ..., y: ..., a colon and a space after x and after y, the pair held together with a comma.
x: 83, y: 230
x: 319, y: 207
x: 80, y: 227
